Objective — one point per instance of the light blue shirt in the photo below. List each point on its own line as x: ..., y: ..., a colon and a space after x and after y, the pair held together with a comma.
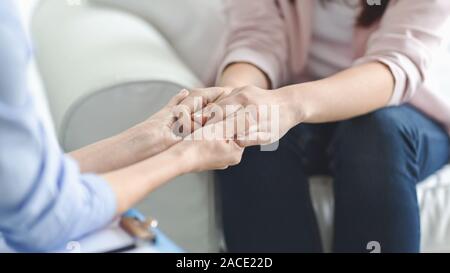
x: 44, y: 200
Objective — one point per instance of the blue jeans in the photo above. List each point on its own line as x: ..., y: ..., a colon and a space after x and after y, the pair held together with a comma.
x: 376, y: 161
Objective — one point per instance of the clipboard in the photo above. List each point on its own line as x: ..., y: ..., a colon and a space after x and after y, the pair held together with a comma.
x: 119, y: 239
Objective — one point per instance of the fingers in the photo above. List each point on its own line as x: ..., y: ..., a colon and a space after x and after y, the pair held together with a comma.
x: 220, y: 105
x: 220, y: 110
x: 215, y: 152
x: 240, y: 123
x: 195, y: 101
x: 199, y: 98
x: 184, y: 125
x: 235, y: 132
x: 259, y: 133
x: 226, y: 105
x: 217, y: 112
x: 236, y: 155
x: 178, y: 98
x: 170, y: 119
x: 233, y: 153
x: 248, y: 129
x: 254, y: 139
x: 206, y: 114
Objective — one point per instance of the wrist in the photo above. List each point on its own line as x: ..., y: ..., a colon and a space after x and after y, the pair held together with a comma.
x: 147, y: 139
x: 137, y: 142
x: 297, y: 103
x: 184, y: 156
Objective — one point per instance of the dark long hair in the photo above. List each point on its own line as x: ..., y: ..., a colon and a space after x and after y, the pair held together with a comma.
x: 370, y: 13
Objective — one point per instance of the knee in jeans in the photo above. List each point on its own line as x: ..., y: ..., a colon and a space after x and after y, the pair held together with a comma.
x: 379, y: 134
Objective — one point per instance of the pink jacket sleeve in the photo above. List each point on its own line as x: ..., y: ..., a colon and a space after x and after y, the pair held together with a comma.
x: 409, y: 35
x: 256, y: 35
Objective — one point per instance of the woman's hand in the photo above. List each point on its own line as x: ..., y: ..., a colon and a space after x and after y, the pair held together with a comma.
x: 210, y: 148
x: 268, y: 114
x: 197, y: 100
x: 156, y: 133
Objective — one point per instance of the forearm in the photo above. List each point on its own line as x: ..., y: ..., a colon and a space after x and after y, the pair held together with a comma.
x: 112, y: 153
x: 350, y: 93
x: 133, y: 183
x: 243, y: 74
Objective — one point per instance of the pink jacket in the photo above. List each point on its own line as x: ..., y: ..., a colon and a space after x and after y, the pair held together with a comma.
x: 275, y: 36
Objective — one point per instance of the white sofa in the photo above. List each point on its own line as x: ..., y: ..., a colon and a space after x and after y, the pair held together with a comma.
x: 108, y: 64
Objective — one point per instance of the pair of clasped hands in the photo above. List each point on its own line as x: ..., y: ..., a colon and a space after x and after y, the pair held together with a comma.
x: 198, y: 130
x: 214, y: 125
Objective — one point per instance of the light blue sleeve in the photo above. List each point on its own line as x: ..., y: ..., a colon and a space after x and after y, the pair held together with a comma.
x: 44, y: 200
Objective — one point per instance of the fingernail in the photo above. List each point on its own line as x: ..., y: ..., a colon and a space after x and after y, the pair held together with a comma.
x: 184, y: 92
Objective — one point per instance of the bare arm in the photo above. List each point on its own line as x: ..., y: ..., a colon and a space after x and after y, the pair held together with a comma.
x: 112, y: 153
x: 353, y: 92
x: 350, y: 93
x: 242, y: 74
x: 133, y: 183
x: 133, y: 145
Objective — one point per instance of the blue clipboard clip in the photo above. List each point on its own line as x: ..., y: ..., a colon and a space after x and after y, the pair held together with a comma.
x: 160, y: 241
x: 138, y: 226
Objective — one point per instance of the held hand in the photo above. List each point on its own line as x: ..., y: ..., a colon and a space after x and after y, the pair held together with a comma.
x: 197, y: 100
x: 156, y: 133
x: 267, y: 115
x: 210, y: 148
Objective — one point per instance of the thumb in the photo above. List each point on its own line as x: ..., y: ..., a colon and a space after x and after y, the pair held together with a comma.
x: 254, y: 139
